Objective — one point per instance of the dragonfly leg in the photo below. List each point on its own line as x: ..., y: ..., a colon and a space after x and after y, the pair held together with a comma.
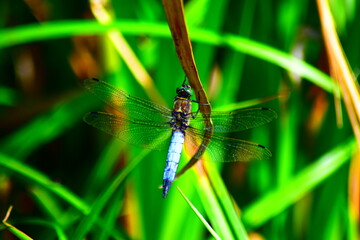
x: 196, y: 113
x: 198, y: 110
x: 184, y: 80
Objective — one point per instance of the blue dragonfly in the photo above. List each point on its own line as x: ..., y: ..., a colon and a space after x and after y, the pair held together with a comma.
x: 150, y: 125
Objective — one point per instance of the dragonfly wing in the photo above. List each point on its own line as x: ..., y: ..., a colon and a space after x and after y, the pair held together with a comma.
x: 132, y: 107
x: 146, y: 134
x: 222, y: 149
x: 237, y: 120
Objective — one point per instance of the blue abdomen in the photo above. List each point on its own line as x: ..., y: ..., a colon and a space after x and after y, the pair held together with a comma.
x: 172, y: 160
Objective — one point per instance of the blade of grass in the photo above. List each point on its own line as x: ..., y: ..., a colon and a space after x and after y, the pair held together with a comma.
x: 35, y: 32
x: 287, y: 146
x: 354, y: 192
x: 206, y: 224
x: 60, y: 234
x: 213, y: 20
x: 340, y: 68
x: 211, y: 205
x: 20, y: 169
x: 103, y: 15
x: 47, y: 203
x: 247, y: 103
x: 177, y: 210
x: 333, y: 229
x: 233, y: 65
x: 225, y: 201
x: 110, y: 218
x: 18, y: 233
x: 99, y: 204
x: 103, y: 168
x: 46, y: 126
x: 264, y: 209
x: 287, y: 138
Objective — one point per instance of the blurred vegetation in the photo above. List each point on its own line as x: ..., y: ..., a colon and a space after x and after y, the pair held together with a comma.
x: 67, y: 180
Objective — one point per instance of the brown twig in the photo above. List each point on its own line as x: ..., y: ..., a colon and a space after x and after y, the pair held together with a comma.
x: 340, y: 69
x: 174, y: 10
x: 13, y: 229
x: 344, y: 77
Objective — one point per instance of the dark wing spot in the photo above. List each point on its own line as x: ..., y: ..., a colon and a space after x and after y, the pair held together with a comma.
x: 95, y: 79
x: 261, y: 146
x: 265, y: 108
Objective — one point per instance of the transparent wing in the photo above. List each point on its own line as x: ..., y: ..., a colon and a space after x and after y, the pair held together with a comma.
x: 132, y: 107
x: 146, y: 134
x: 237, y: 120
x: 222, y: 149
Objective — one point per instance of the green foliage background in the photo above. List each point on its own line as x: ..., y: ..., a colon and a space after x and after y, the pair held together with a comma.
x: 67, y: 180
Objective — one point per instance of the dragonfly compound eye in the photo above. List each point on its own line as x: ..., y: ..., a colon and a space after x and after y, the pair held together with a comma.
x: 184, y: 91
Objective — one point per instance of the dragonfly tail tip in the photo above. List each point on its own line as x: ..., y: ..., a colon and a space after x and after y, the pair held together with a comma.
x: 166, y: 187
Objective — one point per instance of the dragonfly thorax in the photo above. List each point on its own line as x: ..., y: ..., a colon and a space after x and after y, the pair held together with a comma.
x: 181, y: 114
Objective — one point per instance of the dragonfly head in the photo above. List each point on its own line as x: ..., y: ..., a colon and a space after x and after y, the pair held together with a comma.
x: 184, y: 91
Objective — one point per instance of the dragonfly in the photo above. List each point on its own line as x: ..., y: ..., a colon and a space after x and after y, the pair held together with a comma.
x: 153, y: 126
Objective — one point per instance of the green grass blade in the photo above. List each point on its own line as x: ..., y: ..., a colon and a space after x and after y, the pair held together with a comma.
x: 110, y: 218
x: 18, y: 233
x: 35, y: 32
x: 21, y: 235
x: 264, y: 209
x: 213, y: 20
x: 61, y: 29
x: 103, y: 168
x: 287, y: 139
x: 47, y: 203
x: 206, y: 224
x: 225, y: 201
x: 46, y: 127
x: 213, y: 208
x: 29, y: 174
x: 176, y: 210
x: 60, y: 234
x: 99, y: 204
x: 279, y: 58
